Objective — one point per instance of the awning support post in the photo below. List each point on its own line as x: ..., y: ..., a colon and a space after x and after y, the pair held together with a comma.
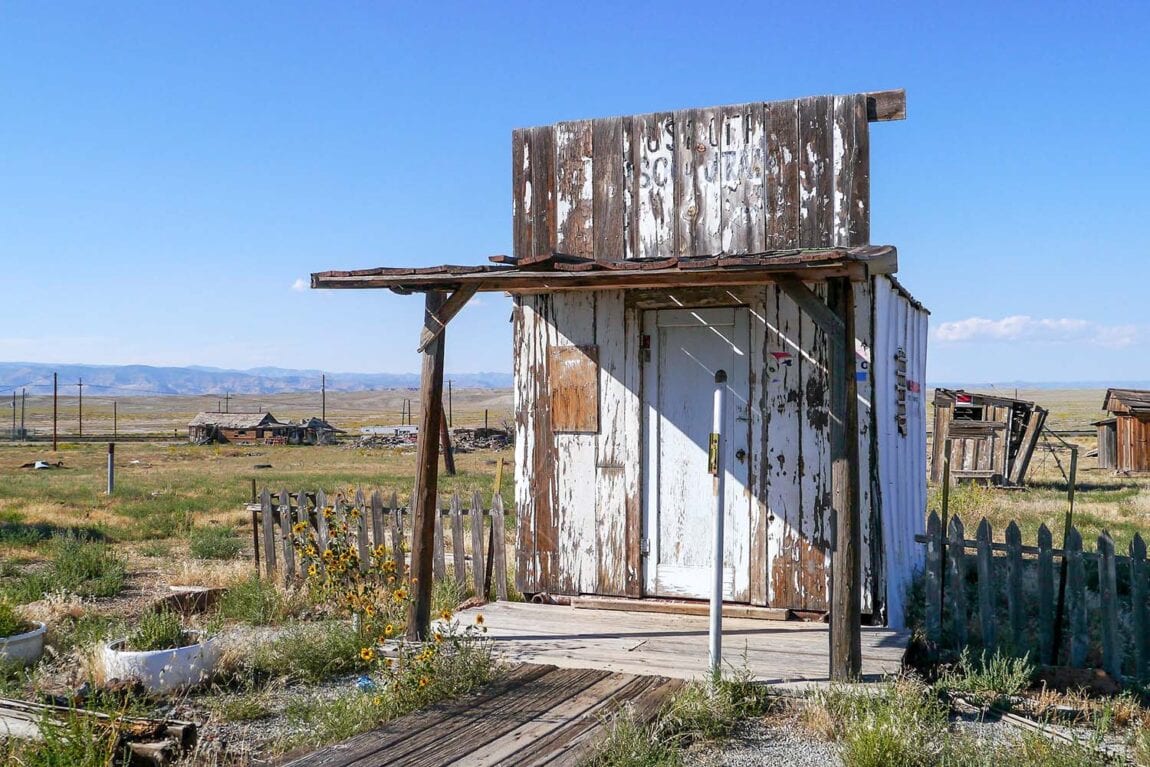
x: 846, y: 554
x: 425, y: 497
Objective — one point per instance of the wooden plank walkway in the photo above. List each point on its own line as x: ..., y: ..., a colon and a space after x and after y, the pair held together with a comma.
x: 533, y: 715
x: 785, y: 653
x: 574, y: 665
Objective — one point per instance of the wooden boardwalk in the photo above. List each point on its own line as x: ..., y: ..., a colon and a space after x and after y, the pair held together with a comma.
x: 787, y: 653
x: 574, y: 666
x: 533, y: 715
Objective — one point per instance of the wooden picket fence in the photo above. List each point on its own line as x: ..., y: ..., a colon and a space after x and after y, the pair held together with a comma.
x: 375, y: 523
x: 1006, y: 597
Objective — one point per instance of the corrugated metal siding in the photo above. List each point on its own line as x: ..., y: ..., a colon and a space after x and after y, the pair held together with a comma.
x: 901, y: 456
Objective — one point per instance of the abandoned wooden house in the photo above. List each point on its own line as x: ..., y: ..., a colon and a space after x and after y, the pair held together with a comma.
x: 238, y: 428
x: 314, y: 431
x: 1124, y: 437
x: 992, y: 438
x: 650, y: 252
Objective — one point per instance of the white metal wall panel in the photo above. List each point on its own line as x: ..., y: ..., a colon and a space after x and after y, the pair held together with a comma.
x: 900, y: 325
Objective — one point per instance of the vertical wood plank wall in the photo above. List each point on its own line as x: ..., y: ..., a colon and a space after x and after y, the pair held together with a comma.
x: 737, y: 179
x: 579, y: 499
x: 734, y: 180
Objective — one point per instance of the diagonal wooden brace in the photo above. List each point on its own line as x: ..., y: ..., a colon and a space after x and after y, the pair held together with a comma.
x: 436, y: 323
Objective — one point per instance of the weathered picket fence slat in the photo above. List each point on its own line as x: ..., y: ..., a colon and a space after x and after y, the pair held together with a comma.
x: 1028, y: 625
x: 374, y: 524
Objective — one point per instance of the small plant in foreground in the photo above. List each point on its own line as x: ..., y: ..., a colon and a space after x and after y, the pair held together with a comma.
x: 213, y: 543
x: 258, y: 602
x: 698, y: 712
x: 899, y: 725
x: 308, y: 652
x: 11, y: 623
x: 455, y: 661
x: 86, y: 568
x: 158, y: 630
x: 77, y: 742
x: 987, y: 678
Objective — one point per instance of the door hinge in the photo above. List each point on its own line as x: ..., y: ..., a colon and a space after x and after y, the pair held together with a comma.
x: 645, y: 546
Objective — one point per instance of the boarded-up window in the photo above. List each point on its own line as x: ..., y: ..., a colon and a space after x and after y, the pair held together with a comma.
x: 574, y: 374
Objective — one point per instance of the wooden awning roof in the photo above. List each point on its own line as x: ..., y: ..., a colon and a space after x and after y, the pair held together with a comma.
x: 557, y: 271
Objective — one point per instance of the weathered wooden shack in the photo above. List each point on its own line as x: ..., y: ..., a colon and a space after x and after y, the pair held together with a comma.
x: 1124, y: 438
x: 651, y: 251
x: 992, y: 438
x: 1107, y: 454
x: 240, y: 428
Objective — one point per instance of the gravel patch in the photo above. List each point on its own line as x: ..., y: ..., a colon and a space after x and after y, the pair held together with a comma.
x: 774, y: 740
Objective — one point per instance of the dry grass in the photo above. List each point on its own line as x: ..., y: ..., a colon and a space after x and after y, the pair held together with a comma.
x: 162, y: 491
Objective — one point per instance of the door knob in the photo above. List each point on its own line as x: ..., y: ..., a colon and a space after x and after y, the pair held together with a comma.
x: 740, y: 455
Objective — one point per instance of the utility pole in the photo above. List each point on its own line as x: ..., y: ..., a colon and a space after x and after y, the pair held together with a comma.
x: 115, y: 420
x: 323, y: 396
x: 80, y: 384
x: 55, y: 402
x: 13, y: 415
x: 227, y: 402
x: 23, y: 401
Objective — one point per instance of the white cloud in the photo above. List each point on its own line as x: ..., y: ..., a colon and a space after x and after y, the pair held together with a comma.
x: 300, y: 285
x: 1021, y: 327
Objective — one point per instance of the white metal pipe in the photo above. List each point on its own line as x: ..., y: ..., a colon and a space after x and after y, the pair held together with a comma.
x: 111, y: 467
x: 715, y: 461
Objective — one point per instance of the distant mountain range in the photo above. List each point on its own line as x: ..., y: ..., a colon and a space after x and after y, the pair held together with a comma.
x: 141, y: 380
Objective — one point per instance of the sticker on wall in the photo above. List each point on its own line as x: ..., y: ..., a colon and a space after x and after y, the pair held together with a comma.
x: 783, y: 358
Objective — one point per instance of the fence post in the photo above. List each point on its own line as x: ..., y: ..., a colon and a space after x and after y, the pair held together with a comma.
x: 1015, y: 609
x: 361, y: 512
x: 439, y: 560
x: 458, y: 561
x: 933, y: 578
x: 477, y: 559
x: 956, y: 556
x: 378, y: 538
x: 1108, y: 599
x: 269, y: 526
x: 1046, y: 626
x: 1138, y: 606
x: 986, y: 585
x: 498, y: 537
x: 397, y: 548
x: 1076, y: 599
x: 321, y: 524
x: 286, y: 533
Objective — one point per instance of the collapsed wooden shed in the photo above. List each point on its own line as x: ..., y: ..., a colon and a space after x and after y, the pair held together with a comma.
x: 992, y: 438
x: 239, y: 428
x: 651, y: 251
x: 1124, y: 438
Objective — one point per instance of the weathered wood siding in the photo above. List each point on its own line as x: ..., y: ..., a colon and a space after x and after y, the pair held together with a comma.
x: 737, y: 179
x: 579, y: 495
x: 1133, y: 443
x: 1107, y: 444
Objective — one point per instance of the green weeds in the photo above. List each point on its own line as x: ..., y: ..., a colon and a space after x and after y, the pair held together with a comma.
x: 258, y: 602
x: 214, y: 543
x: 156, y: 630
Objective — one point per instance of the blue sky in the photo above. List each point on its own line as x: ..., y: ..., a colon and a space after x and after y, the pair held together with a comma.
x: 169, y: 171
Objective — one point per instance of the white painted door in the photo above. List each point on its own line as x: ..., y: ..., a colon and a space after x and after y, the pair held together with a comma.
x: 683, y: 349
